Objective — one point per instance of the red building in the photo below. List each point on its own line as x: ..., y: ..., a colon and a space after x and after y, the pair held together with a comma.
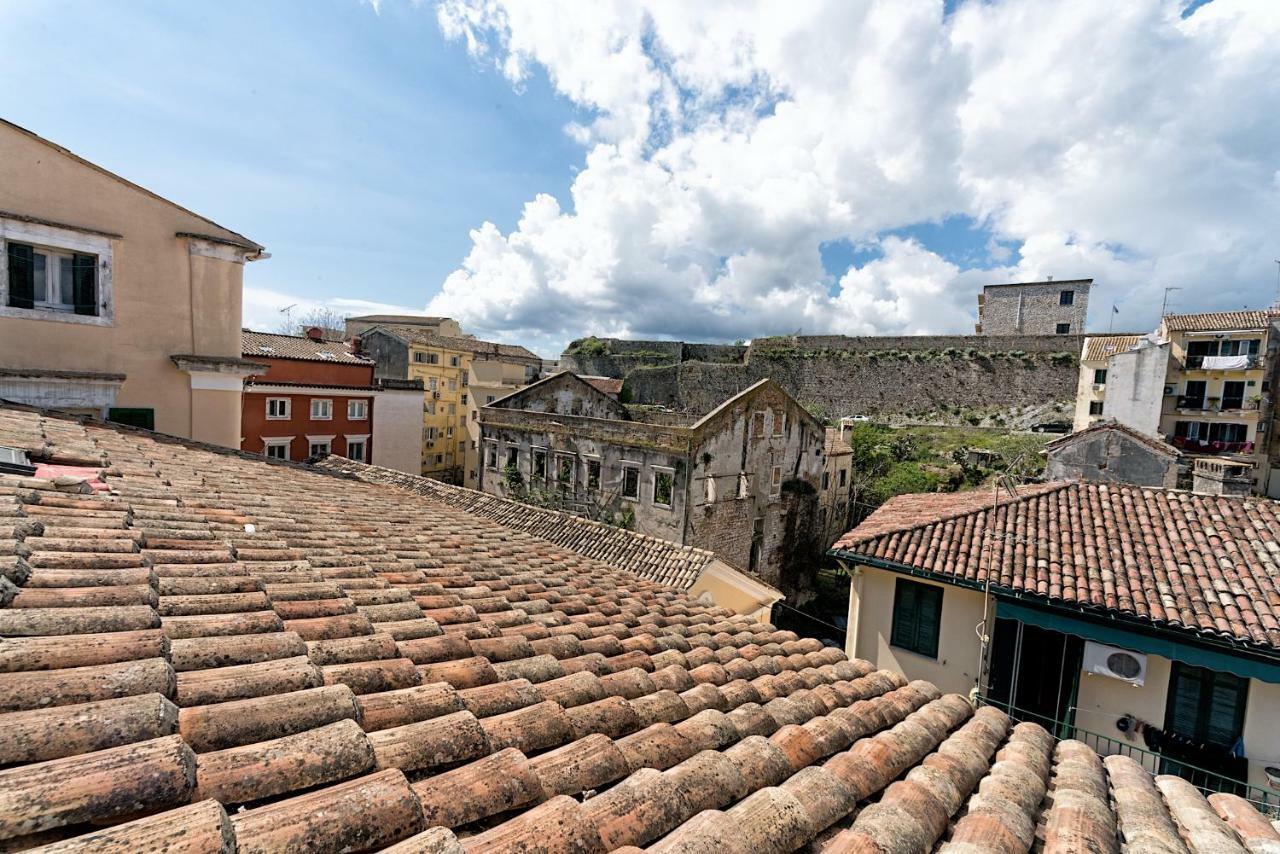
x: 316, y: 397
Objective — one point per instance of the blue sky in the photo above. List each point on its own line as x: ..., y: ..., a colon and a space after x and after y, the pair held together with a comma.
x: 359, y: 148
x: 660, y: 170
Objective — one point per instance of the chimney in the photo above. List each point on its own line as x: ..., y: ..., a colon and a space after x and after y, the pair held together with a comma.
x: 315, y: 333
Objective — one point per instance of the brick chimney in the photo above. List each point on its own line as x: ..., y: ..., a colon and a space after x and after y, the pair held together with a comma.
x: 315, y: 333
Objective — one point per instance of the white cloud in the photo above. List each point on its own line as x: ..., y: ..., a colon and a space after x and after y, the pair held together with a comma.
x: 267, y: 310
x: 728, y: 141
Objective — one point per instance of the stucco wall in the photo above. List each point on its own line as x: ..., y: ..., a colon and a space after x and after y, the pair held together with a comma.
x: 1111, y: 457
x: 166, y: 300
x: 956, y: 668
x: 1135, y: 388
x: 397, y: 426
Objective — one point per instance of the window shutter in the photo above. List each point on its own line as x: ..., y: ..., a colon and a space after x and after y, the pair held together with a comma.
x: 84, y: 283
x: 1226, y: 706
x: 904, y: 616
x: 927, y: 621
x: 1184, y: 701
x: 22, y: 276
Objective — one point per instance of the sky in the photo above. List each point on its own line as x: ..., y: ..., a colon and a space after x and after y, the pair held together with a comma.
x: 542, y: 170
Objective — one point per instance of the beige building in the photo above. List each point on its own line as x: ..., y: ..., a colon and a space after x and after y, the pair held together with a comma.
x: 115, y: 302
x: 1199, y: 381
x: 1091, y: 391
x: 486, y: 382
x: 1087, y: 631
x: 443, y: 364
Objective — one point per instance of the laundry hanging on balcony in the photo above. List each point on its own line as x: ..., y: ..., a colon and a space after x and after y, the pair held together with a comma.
x: 1225, y: 363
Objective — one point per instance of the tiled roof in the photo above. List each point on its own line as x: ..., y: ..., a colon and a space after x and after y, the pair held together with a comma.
x: 1215, y: 321
x: 426, y: 337
x: 1101, y: 348
x: 834, y: 443
x: 648, y: 557
x: 230, y: 654
x: 608, y: 385
x: 1113, y: 426
x: 267, y: 345
x: 1201, y: 563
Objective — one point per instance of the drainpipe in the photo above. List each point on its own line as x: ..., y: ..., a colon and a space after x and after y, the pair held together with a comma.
x: 855, y: 607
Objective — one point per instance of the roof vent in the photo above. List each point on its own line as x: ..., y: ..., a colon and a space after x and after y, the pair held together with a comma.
x: 264, y: 348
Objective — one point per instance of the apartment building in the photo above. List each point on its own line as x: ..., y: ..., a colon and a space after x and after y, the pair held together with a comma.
x: 741, y: 481
x: 443, y: 364
x: 487, y: 382
x: 115, y: 302
x: 1202, y: 382
x: 1034, y: 308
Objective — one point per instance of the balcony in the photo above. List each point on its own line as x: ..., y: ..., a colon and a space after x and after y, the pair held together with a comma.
x: 1222, y: 363
x: 1209, y: 446
x: 1215, y: 404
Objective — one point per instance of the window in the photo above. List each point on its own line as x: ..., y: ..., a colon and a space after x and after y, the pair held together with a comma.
x: 593, y: 474
x: 631, y: 482
x: 917, y: 617
x: 56, y: 280
x: 433, y: 384
x: 564, y: 472
x: 513, y: 457
x: 757, y: 425
x: 1062, y: 328
x: 448, y: 432
x: 710, y: 486
x: 1100, y: 376
x: 134, y: 417
x: 1206, y: 706
x: 278, y: 408
x: 539, y: 463
x: 453, y: 363
x: 779, y: 423
x: 664, y: 481
x: 1193, y: 397
x: 466, y: 380
x: 775, y: 481
x: 1095, y: 407
x: 844, y: 476
x: 1240, y: 348
x: 318, y: 447
x: 453, y: 409
x: 491, y: 455
x: 431, y: 434
x: 355, y: 449
x: 744, y: 485
x: 321, y: 409
x: 1067, y: 298
x: 464, y: 400
x: 453, y: 385
x: 488, y: 399
x: 1196, y: 352
x: 429, y: 408
x: 278, y: 448
x: 826, y: 479
x: 1233, y: 394
x: 357, y: 410
x: 427, y: 358
x: 475, y: 415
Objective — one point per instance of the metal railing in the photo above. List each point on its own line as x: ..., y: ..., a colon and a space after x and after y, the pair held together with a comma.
x: 1208, y: 782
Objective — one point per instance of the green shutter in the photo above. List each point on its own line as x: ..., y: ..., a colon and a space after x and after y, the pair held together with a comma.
x: 903, y: 633
x: 22, y: 276
x: 1183, y: 714
x: 928, y: 618
x: 84, y: 283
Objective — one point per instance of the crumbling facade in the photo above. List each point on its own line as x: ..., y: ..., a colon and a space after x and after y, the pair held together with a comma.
x: 741, y: 481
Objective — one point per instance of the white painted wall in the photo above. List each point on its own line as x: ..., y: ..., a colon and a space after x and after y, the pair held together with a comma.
x: 397, y: 430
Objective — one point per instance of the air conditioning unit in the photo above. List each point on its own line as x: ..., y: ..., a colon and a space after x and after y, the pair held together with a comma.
x: 1115, y: 662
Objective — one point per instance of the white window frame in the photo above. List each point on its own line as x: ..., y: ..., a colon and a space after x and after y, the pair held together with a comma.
x: 559, y: 459
x: 327, y: 441
x: 361, y: 439
x: 288, y: 408
x: 775, y: 481
x: 58, y: 239
x: 622, y: 482
x: 546, y: 462
x: 659, y: 470
x: 358, y: 404
x: 328, y: 401
x: 269, y: 442
x: 491, y: 447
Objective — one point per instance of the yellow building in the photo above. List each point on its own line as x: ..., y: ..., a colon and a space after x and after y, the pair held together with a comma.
x: 487, y: 381
x: 444, y: 365
x: 115, y: 302
x: 1092, y: 387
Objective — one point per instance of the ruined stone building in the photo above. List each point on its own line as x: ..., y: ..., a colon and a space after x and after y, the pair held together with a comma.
x: 741, y: 481
x: 1034, y: 308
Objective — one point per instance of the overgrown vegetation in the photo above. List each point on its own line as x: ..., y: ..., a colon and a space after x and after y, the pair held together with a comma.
x: 889, y: 462
x: 589, y: 346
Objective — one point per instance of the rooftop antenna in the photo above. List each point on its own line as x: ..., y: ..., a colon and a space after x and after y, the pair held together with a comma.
x: 1164, y: 305
x: 1277, y: 303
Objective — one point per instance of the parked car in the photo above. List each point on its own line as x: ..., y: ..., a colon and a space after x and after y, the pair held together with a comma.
x: 1051, y: 427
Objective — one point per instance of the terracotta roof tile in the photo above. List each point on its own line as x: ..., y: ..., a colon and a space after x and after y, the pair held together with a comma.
x: 1216, y: 321
x: 459, y: 683
x: 1099, y: 348
x: 267, y: 345
x: 1196, y: 563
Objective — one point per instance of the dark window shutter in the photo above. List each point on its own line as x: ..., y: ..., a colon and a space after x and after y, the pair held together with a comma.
x: 84, y: 281
x: 903, y: 633
x: 22, y: 272
x: 1226, y: 710
x: 1184, y: 700
x: 928, y: 618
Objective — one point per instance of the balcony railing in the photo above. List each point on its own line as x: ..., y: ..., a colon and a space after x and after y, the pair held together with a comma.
x: 1265, y: 800
x: 1196, y: 363
x: 1209, y: 446
x: 1216, y: 404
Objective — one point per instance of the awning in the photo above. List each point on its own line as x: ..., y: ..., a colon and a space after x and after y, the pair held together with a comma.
x: 1161, y: 645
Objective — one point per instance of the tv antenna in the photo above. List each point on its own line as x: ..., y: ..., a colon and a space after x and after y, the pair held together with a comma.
x: 1165, y: 304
